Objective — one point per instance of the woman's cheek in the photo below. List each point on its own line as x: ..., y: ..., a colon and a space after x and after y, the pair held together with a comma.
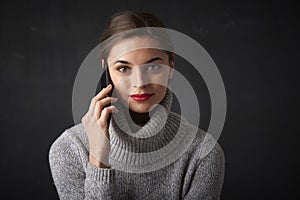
x: 122, y: 88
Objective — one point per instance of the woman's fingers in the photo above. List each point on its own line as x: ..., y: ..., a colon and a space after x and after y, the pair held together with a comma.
x: 105, y: 113
x: 101, y: 104
x: 103, y: 93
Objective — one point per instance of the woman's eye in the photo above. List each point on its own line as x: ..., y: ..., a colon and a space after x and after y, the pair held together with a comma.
x: 123, y: 69
x: 152, y: 67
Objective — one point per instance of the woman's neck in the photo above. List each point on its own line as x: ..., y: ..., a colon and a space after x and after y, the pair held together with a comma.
x: 139, y: 118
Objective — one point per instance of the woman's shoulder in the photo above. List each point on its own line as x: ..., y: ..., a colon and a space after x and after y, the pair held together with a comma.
x: 72, y: 137
x: 204, y: 145
x: 69, y: 151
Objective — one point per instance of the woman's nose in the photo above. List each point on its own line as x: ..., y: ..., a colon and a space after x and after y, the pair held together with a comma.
x: 139, y: 79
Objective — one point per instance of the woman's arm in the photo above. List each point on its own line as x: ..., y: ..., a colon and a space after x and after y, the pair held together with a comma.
x: 207, y: 180
x: 69, y: 175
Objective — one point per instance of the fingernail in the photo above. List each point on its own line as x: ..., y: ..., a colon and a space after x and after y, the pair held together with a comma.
x: 109, y: 86
x: 115, y: 110
x: 113, y: 100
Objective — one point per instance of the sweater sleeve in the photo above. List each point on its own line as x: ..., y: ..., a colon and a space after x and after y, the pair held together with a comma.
x: 207, y: 179
x: 71, y: 179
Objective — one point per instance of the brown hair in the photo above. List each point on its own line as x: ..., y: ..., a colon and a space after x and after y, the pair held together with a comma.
x: 127, y: 20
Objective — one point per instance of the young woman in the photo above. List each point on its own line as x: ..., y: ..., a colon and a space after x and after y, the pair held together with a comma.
x: 107, y: 159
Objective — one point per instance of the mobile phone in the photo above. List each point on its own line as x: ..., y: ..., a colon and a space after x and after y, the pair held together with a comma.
x: 105, y: 80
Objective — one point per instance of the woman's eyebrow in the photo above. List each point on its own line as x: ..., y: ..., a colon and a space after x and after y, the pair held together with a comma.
x: 128, y: 63
x: 122, y: 62
x: 153, y: 59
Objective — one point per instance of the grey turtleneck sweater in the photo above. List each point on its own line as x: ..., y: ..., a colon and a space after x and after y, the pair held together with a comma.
x: 167, y: 158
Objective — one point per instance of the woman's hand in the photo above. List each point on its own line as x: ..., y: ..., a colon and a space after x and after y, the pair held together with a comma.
x: 96, y: 127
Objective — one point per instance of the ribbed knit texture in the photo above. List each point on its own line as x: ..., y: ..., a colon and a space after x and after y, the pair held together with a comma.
x: 158, y: 161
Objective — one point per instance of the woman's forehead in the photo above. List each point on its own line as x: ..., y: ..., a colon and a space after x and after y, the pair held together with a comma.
x: 142, y: 56
x: 133, y: 45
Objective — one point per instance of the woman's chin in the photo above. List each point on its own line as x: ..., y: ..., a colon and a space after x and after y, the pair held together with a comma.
x: 143, y: 108
x: 140, y: 107
x: 140, y: 110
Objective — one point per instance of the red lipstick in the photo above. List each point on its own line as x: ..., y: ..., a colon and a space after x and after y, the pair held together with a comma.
x: 141, y: 97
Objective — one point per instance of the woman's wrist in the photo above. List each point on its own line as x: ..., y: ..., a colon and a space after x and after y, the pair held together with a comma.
x: 96, y: 163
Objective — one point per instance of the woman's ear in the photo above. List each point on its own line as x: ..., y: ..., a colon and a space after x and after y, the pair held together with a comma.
x: 102, y: 63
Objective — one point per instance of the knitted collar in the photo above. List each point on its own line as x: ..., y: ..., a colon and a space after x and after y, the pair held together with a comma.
x: 161, y: 137
x: 149, y: 137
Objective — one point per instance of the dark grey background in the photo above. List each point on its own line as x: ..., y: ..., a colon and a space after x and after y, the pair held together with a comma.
x: 254, y: 44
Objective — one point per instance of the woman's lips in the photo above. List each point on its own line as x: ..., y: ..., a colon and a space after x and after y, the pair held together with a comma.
x: 141, y: 97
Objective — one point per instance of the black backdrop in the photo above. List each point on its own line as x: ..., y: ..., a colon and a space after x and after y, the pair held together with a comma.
x: 253, y: 43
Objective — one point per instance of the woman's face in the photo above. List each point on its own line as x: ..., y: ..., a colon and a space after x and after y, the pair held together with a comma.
x: 140, y: 77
